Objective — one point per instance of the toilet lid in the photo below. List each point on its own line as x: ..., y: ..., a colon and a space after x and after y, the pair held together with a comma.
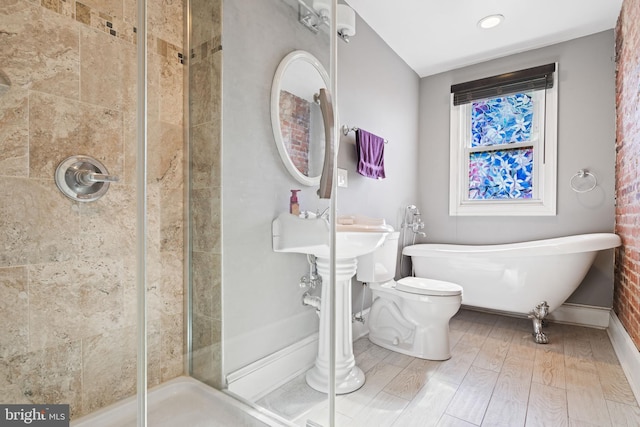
x: 422, y: 286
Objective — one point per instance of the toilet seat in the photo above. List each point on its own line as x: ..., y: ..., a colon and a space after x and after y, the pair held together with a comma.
x: 422, y: 286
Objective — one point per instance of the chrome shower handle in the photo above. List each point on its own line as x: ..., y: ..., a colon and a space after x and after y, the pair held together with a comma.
x: 89, y: 177
x: 83, y: 178
x: 326, y: 179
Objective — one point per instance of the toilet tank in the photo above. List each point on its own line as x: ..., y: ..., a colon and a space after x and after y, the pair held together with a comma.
x: 380, y: 265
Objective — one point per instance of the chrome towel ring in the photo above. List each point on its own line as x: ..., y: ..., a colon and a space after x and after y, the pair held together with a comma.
x: 579, y: 186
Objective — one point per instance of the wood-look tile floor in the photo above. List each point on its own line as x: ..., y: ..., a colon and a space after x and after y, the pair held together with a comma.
x: 497, y: 376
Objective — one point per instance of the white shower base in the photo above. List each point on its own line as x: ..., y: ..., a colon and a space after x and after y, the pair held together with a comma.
x: 182, y: 402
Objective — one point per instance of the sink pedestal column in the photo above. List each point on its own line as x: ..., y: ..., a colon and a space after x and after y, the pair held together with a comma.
x: 348, y: 376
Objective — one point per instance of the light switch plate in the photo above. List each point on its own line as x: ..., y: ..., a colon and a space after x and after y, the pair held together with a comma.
x: 342, y: 178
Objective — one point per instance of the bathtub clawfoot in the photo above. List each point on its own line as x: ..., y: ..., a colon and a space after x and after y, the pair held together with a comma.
x: 537, y: 315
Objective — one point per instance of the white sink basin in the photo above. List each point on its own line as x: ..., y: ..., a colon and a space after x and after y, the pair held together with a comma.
x: 311, y: 236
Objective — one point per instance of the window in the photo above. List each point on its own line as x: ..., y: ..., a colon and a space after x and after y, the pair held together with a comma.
x: 503, y: 144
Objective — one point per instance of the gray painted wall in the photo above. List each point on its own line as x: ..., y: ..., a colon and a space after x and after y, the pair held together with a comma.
x: 262, y: 309
x: 378, y: 92
x: 586, y: 139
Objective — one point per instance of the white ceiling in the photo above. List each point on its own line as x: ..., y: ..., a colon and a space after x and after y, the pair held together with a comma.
x: 434, y: 36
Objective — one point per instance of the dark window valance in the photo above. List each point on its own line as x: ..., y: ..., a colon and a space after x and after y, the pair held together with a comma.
x: 535, y: 78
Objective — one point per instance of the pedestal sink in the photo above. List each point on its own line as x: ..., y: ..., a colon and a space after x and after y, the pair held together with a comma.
x: 311, y: 236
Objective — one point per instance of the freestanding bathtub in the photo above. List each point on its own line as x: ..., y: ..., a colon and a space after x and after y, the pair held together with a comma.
x: 513, y: 277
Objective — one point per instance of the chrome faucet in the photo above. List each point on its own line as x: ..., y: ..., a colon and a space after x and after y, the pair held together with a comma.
x: 413, y: 220
x: 324, y: 214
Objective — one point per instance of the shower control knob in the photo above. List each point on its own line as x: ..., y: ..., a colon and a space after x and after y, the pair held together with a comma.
x: 87, y: 177
x: 83, y: 178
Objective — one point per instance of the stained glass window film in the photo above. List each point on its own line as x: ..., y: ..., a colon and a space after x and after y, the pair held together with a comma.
x: 504, y: 173
x: 501, y: 174
x: 501, y: 120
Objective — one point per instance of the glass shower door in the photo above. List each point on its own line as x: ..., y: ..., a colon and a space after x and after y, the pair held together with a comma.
x: 69, y: 270
x: 251, y: 334
x: 67, y: 264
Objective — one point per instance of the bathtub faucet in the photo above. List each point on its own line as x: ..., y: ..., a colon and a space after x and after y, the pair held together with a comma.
x: 413, y: 220
x: 417, y: 224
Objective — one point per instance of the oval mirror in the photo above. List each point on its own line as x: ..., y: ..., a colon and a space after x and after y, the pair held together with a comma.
x: 296, y: 118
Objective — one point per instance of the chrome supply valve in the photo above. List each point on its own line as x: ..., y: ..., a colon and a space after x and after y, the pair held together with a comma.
x: 312, y: 279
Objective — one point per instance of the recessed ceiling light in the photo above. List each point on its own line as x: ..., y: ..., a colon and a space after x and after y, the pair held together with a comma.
x: 490, y: 21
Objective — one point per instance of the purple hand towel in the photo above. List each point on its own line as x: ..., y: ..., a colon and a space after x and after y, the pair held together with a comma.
x: 370, y: 151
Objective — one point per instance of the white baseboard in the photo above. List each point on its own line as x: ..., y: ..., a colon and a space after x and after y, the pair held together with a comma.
x: 574, y: 314
x: 265, y: 375
x: 261, y: 377
x: 627, y: 353
x: 583, y: 315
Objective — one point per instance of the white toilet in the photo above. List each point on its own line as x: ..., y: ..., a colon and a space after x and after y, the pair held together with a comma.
x: 410, y: 316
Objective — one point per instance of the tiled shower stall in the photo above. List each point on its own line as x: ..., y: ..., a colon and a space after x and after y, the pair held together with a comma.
x: 67, y: 269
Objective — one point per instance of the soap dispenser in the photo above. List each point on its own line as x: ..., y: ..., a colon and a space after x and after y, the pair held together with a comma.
x: 294, y: 207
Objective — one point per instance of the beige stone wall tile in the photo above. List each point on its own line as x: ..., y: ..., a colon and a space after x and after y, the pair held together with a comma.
x: 51, y: 375
x: 108, y: 368
x: 205, y: 162
x: 14, y: 132
x: 206, y: 350
x: 205, y: 220
x: 207, y: 366
x: 130, y: 292
x: 205, y: 277
x: 154, y: 259
x: 107, y: 70
x: 83, y: 13
x: 172, y: 191
x: 172, y: 219
x: 172, y: 284
x: 100, y: 134
x: 68, y: 8
x: 153, y: 127
x: 171, y: 82
x: 60, y: 128
x: 14, y: 306
x: 112, y: 8
x: 165, y: 155
x: 203, y: 333
x: 130, y: 147
x: 206, y: 21
x: 53, y: 5
x: 108, y: 226
x: 53, y: 131
x: 39, y: 49
x: 154, y: 87
x: 74, y: 300
x: 38, y: 224
x: 130, y: 8
x: 154, y: 352
x: 172, y: 346
x: 165, y: 348
x: 206, y: 90
x: 165, y: 20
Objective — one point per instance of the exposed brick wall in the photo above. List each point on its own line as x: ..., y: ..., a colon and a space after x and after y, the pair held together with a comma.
x: 295, y: 121
x: 627, y: 264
